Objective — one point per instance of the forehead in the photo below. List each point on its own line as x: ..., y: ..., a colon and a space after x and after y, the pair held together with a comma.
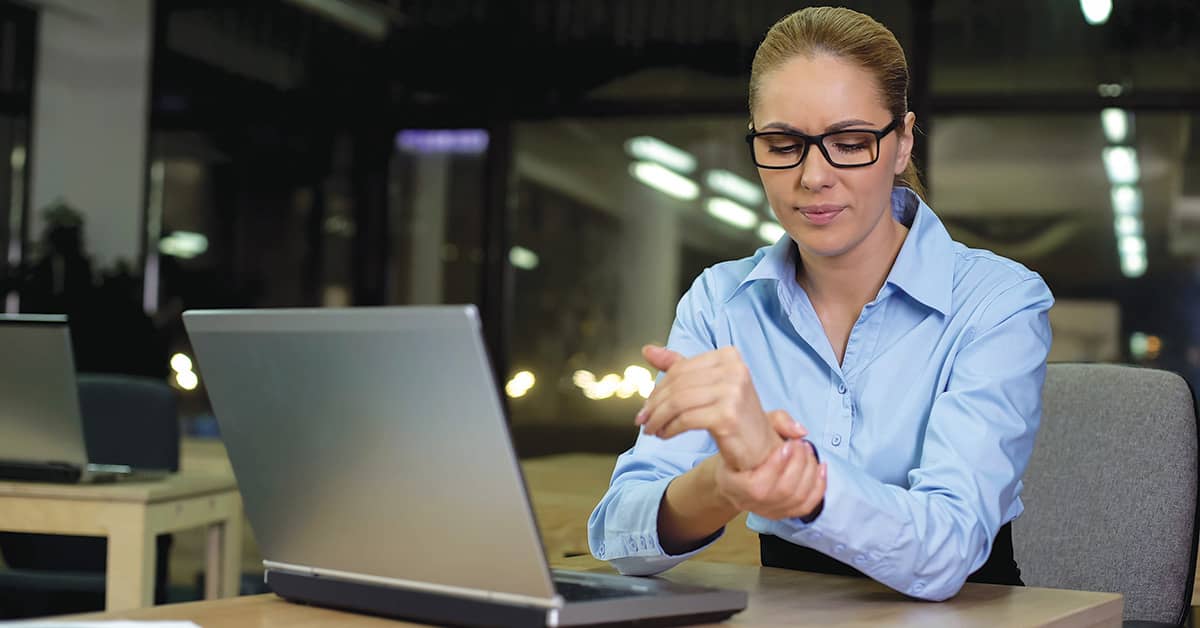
x: 811, y: 93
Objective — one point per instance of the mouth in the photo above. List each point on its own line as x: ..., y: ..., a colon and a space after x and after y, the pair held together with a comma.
x: 821, y: 214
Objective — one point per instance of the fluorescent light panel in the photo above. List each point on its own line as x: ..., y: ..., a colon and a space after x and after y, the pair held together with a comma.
x: 733, y: 186
x: 770, y: 232
x: 1133, y: 265
x: 1121, y: 164
x: 647, y: 148
x: 664, y: 180
x: 1116, y: 124
x: 1127, y: 226
x: 731, y: 213
x: 1131, y: 245
x: 1126, y: 200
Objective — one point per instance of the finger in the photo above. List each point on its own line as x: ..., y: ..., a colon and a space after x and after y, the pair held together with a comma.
x: 668, y: 387
x: 792, y: 477
x: 717, y: 358
x: 661, y: 357
x: 678, y: 403
x: 782, y: 496
x: 757, y: 483
x: 785, y: 425
x: 815, y: 494
x: 765, y: 474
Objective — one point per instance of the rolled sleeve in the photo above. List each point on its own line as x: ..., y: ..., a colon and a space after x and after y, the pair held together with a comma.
x: 623, y: 528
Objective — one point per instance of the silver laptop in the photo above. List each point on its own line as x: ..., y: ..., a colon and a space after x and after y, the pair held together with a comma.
x: 41, y: 429
x: 378, y: 475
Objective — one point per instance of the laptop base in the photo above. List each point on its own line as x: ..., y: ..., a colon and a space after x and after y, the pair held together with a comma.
x: 435, y: 608
x: 398, y: 603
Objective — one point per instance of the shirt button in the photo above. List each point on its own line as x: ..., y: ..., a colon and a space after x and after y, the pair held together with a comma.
x: 839, y: 548
x: 842, y: 388
x: 860, y: 559
x: 918, y: 587
x: 836, y: 440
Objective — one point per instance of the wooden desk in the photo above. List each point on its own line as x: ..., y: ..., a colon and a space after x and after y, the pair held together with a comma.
x: 777, y: 597
x: 131, y: 514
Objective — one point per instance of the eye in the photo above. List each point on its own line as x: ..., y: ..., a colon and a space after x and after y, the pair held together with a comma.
x: 782, y: 144
x: 846, y: 147
x: 850, y: 143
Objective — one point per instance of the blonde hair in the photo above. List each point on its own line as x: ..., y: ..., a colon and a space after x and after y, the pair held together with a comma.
x: 849, y: 35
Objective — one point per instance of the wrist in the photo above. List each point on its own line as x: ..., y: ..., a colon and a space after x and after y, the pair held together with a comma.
x: 721, y: 501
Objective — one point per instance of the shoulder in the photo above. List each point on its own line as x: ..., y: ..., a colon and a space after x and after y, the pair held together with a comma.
x: 992, y: 286
x: 718, y: 283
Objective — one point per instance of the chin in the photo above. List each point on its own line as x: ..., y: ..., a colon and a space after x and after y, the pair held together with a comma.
x: 824, y: 243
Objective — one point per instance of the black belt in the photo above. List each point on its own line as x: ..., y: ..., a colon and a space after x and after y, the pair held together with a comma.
x: 1000, y: 567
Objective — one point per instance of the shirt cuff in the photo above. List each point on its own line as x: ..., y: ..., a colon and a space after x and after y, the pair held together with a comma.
x: 634, y: 549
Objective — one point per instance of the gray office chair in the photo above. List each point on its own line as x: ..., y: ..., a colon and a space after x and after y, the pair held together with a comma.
x: 1111, y: 491
x: 127, y: 420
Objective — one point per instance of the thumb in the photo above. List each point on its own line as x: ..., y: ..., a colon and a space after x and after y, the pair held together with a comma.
x: 785, y: 426
x: 660, y: 358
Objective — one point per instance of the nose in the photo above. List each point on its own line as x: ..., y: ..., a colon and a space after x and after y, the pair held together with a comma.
x: 816, y: 173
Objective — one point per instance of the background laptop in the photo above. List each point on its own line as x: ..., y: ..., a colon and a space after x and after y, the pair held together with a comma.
x: 41, y: 429
x: 377, y: 473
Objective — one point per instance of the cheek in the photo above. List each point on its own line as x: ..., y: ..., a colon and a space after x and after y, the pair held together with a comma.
x: 777, y: 184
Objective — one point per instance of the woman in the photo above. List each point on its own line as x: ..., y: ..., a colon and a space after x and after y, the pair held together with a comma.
x: 912, y: 364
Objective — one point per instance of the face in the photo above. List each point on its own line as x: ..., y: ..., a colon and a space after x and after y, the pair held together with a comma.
x: 831, y: 211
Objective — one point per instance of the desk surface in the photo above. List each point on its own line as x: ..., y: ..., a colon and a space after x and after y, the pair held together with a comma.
x: 777, y: 596
x: 173, y: 486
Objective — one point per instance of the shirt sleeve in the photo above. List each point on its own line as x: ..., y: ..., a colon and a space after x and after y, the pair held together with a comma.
x: 925, y: 540
x: 623, y: 528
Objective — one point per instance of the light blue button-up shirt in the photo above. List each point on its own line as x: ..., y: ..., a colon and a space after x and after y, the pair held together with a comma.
x: 926, y: 426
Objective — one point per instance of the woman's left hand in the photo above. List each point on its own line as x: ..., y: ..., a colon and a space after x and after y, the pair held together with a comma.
x: 712, y: 391
x: 791, y: 483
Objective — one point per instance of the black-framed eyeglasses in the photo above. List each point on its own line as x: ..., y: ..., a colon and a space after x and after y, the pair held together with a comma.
x: 779, y: 150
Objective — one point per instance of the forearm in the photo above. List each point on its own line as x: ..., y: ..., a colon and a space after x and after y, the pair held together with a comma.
x: 921, y: 544
x: 692, y: 509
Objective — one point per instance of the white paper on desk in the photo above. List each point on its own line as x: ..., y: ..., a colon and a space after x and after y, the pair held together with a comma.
x: 116, y: 623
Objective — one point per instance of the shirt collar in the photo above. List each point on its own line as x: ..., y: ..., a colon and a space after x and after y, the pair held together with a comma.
x: 924, y: 268
x: 777, y: 263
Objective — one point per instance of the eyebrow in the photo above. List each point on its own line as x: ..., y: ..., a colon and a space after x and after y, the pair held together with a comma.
x: 836, y: 126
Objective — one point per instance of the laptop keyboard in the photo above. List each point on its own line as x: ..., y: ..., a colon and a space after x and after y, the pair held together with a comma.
x: 576, y: 592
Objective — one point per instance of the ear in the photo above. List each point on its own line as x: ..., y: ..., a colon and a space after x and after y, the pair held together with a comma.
x: 904, y: 150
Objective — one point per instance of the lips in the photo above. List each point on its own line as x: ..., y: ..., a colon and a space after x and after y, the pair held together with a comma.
x: 821, y: 214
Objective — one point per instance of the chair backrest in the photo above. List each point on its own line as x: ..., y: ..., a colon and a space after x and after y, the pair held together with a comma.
x: 129, y: 420
x: 1111, y: 491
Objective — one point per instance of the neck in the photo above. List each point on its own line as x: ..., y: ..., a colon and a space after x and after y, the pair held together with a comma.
x: 854, y: 277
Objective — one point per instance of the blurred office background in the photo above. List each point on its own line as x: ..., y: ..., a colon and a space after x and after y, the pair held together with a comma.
x: 569, y: 166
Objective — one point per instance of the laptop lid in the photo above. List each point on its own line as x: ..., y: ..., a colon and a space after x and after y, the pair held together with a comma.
x: 370, y: 443
x: 39, y: 400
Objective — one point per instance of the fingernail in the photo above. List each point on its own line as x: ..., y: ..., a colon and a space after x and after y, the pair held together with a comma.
x: 822, y: 470
x: 787, y: 449
x: 641, y: 416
